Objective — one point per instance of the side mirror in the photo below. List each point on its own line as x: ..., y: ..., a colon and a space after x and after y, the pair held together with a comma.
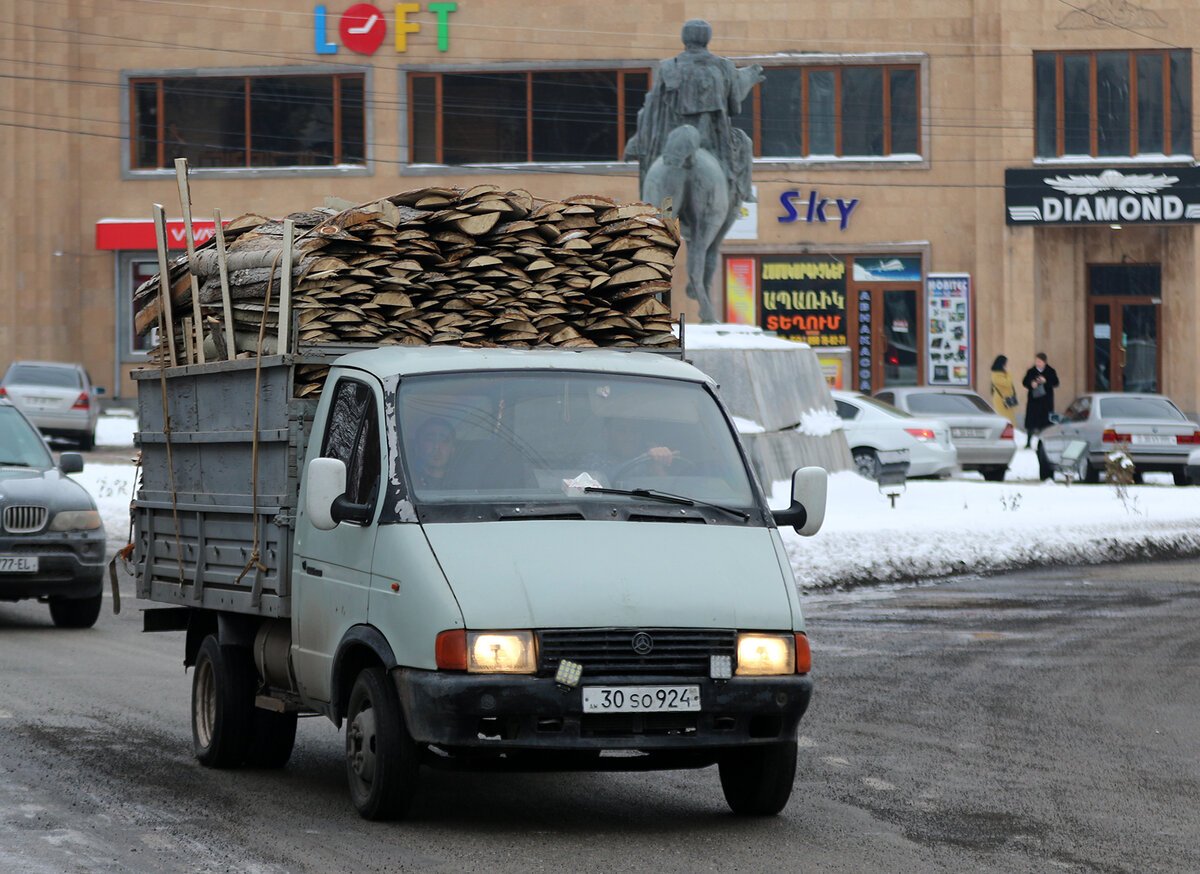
x: 326, y: 482
x: 809, y: 488
x: 98, y: 389
x: 1055, y: 419
x: 70, y: 462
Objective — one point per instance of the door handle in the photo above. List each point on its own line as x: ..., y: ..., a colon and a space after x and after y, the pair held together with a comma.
x: 311, y: 569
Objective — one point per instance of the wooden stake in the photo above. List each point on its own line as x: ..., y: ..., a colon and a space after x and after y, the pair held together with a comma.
x: 185, y: 200
x: 285, y: 286
x: 166, y: 319
x: 226, y: 301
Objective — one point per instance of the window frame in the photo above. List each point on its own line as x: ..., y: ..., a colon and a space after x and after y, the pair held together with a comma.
x: 131, y: 78
x: 436, y: 73
x: 907, y: 161
x: 839, y: 127
x: 1134, y: 130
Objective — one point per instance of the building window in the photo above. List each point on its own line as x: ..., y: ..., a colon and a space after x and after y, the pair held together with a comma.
x: 834, y: 112
x: 519, y: 117
x: 248, y: 121
x: 1113, y: 104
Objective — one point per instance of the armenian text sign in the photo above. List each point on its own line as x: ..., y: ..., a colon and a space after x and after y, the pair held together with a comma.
x: 804, y: 298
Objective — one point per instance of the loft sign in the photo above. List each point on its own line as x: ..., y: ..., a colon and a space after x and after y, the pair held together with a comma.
x: 362, y: 28
x: 816, y: 209
x: 1111, y: 196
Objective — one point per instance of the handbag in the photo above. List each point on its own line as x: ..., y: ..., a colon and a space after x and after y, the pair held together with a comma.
x: 1038, y: 391
x: 1010, y: 401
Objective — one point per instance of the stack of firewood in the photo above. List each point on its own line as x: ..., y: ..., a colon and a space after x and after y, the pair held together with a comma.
x: 481, y: 267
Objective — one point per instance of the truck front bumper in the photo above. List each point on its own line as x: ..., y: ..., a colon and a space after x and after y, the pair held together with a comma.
x: 511, y: 713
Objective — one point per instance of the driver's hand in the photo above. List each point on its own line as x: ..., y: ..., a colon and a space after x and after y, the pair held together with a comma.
x: 661, y: 455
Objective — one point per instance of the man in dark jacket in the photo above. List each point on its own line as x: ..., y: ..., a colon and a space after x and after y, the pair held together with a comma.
x: 1040, y: 380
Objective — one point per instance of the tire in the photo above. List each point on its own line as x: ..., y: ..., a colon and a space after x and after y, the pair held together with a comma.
x: 87, y: 441
x: 76, y: 612
x: 274, y: 736
x: 1087, y: 473
x: 1181, y: 477
x: 757, y: 780
x: 381, y: 757
x: 222, y: 704
x: 866, y: 463
x: 1045, y: 468
x: 994, y: 473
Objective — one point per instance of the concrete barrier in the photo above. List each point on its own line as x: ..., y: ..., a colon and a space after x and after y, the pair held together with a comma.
x: 775, y: 388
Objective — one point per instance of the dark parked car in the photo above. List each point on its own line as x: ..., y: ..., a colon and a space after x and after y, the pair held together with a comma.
x: 51, y: 535
x: 1149, y: 428
x: 59, y: 398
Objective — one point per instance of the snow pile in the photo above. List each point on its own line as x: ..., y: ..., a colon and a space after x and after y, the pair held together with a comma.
x: 819, y: 423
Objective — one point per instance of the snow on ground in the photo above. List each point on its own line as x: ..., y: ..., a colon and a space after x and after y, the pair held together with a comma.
x: 937, y: 528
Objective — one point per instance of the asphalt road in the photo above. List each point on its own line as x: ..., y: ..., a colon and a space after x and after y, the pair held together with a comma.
x: 1028, y: 722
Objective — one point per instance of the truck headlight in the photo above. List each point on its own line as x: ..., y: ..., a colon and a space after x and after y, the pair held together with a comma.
x: 501, y: 652
x: 75, y: 520
x: 760, y: 655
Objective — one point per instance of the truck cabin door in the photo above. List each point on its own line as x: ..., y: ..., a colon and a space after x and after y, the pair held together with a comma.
x: 332, y: 569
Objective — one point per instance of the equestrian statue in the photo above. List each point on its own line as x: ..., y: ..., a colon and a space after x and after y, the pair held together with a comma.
x: 690, y: 156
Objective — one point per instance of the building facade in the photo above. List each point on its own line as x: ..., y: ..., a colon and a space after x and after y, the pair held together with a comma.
x: 936, y: 183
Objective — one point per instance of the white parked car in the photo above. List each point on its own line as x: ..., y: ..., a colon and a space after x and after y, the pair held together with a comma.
x: 871, y: 427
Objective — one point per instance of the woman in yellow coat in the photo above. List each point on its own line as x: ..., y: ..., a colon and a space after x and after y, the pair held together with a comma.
x: 1004, y: 396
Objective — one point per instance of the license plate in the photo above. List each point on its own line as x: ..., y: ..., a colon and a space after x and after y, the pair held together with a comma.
x: 968, y: 432
x: 41, y: 403
x: 640, y: 699
x: 18, y: 564
x: 1152, y: 439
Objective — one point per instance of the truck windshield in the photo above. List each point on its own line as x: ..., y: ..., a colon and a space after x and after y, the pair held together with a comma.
x: 549, y: 436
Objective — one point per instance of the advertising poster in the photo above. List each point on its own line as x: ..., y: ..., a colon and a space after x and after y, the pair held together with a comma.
x: 948, y: 299
x: 804, y: 298
x: 739, y: 291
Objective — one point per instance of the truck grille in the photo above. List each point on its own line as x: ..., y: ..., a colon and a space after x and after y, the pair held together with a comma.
x: 604, y: 651
x: 24, y: 519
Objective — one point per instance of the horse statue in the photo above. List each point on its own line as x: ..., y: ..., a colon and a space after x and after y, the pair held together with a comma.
x: 688, y: 183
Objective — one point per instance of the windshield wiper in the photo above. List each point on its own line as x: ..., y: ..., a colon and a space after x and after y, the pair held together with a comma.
x: 668, y: 498
x: 14, y: 464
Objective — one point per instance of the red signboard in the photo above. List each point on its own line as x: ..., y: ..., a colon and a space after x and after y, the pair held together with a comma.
x: 138, y: 234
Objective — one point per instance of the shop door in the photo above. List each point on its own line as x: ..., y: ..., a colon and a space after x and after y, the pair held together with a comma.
x: 899, y: 336
x: 1124, y: 328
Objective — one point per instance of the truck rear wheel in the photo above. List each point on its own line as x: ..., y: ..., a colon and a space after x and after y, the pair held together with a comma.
x: 381, y: 757
x: 222, y: 704
x: 757, y: 780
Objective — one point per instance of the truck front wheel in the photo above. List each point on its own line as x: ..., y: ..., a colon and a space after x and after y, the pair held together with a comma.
x: 381, y: 757
x: 757, y: 780
x: 222, y: 704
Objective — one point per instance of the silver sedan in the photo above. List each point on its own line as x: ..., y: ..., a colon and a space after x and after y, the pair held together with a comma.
x: 57, y: 397
x: 1149, y: 428
x: 983, y: 438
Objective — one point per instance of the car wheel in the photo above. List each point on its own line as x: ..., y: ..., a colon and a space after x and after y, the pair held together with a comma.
x: 994, y: 473
x: 1087, y: 473
x: 381, y: 757
x: 274, y: 737
x: 1045, y: 468
x: 222, y: 704
x: 757, y: 780
x: 866, y: 463
x: 1181, y: 477
x: 75, y: 612
x: 87, y: 442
